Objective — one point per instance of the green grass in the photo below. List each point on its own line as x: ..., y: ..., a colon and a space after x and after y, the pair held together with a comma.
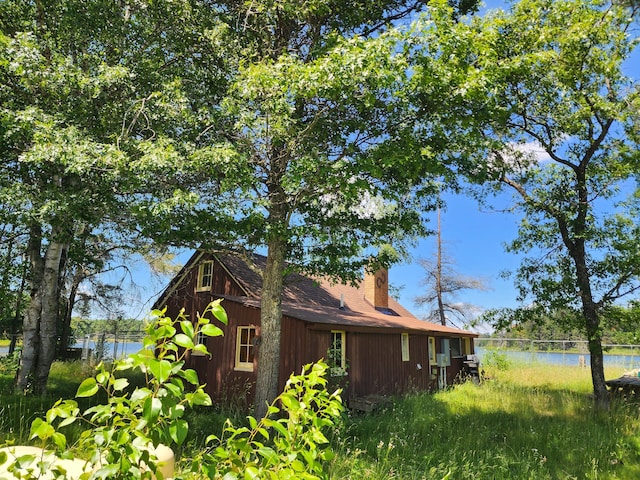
x: 524, y: 422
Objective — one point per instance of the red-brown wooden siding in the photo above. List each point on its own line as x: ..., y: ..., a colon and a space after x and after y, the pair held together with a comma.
x: 374, y: 357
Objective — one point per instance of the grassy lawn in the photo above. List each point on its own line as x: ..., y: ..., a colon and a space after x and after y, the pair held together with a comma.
x: 526, y: 422
x: 534, y: 422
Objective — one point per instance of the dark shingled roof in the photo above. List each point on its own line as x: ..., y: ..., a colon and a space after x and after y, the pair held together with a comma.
x: 315, y: 300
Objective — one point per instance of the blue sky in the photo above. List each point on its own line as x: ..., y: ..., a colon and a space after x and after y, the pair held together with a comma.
x: 473, y: 239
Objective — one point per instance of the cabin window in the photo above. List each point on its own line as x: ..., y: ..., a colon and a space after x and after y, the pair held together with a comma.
x: 244, y: 348
x: 337, y: 354
x: 455, y: 344
x: 404, y: 339
x: 205, y: 276
x: 467, y: 346
x: 432, y: 351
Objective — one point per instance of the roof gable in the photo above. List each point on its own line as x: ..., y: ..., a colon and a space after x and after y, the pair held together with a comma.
x: 314, y: 300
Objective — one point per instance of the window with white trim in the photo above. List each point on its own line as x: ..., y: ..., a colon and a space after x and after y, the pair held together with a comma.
x: 432, y: 351
x: 337, y: 353
x: 404, y: 339
x: 245, y: 348
x: 205, y: 276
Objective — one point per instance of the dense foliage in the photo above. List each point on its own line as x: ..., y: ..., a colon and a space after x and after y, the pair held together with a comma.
x: 540, y: 92
x: 290, y: 442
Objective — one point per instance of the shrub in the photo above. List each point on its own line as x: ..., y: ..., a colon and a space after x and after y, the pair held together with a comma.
x: 497, y: 360
x: 288, y: 443
x: 293, y: 446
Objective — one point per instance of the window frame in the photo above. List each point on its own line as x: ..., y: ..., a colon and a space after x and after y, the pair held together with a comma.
x: 433, y: 359
x: 200, y: 284
x: 404, y: 345
x: 338, y: 370
x: 243, y: 365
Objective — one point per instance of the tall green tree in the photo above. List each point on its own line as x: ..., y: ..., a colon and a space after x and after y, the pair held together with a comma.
x: 85, y: 89
x: 540, y: 92
x: 311, y: 154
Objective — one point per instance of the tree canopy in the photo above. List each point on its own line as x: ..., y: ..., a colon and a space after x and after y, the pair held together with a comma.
x: 221, y: 125
x: 310, y: 152
x: 547, y: 77
x: 84, y: 87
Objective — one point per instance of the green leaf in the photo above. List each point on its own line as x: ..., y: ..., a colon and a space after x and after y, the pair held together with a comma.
x: 183, y: 340
x: 178, y: 430
x: 151, y: 409
x: 41, y: 429
x: 161, y: 369
x: 60, y: 440
x: 211, y: 330
x: 174, y: 389
x: 251, y: 473
x: 120, y: 384
x: 200, y: 398
x: 190, y: 376
x: 67, y: 421
x: 220, y: 313
x: 200, y: 348
x: 187, y: 328
x: 87, y: 388
x: 282, y: 430
x: 140, y: 393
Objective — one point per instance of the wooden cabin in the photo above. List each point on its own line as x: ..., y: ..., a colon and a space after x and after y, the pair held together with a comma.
x: 372, y: 343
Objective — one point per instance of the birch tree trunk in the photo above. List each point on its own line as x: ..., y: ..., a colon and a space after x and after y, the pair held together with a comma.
x: 31, y: 320
x: 40, y: 319
x: 49, y: 314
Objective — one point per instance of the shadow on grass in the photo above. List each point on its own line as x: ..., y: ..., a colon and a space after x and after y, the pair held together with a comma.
x: 492, y: 431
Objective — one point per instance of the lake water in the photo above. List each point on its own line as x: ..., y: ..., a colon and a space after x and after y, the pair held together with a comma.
x: 119, y: 350
x: 558, y: 358
x: 629, y: 362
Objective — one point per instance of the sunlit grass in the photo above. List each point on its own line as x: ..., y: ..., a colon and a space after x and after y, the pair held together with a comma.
x: 536, y: 422
x: 531, y: 421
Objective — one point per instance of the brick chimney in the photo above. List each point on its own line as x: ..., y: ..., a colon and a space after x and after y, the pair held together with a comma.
x: 376, y: 288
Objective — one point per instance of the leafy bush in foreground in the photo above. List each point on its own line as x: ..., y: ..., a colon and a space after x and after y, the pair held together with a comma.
x: 288, y: 443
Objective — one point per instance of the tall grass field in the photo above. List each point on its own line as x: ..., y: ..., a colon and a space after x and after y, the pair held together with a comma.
x: 522, y: 422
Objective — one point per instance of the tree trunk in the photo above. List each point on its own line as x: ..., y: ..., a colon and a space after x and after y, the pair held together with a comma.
x: 443, y: 318
x: 271, y: 326
x: 601, y: 394
x: 67, y: 313
x: 592, y: 327
x: 40, y: 318
x: 31, y: 320
x: 15, y: 322
x: 49, y: 315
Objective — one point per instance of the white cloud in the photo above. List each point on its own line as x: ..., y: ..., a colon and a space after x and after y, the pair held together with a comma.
x: 533, y: 150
